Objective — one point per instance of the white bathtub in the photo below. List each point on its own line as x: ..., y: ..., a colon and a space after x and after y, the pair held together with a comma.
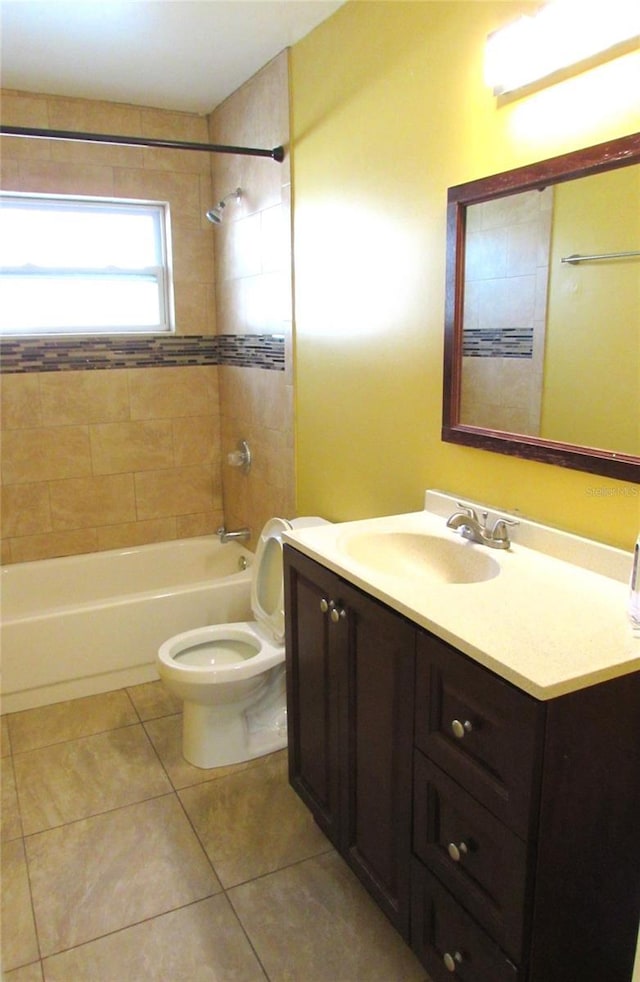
x: 81, y: 625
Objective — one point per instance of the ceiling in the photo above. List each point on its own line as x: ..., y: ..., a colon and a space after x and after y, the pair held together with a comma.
x: 187, y: 55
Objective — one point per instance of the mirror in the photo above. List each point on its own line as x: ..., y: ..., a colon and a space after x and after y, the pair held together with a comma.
x: 542, y: 324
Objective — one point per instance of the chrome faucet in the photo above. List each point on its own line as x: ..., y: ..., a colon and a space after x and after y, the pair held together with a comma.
x: 240, y: 535
x: 475, y: 529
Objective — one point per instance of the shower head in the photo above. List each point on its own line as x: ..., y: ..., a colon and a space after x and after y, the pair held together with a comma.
x: 214, y: 215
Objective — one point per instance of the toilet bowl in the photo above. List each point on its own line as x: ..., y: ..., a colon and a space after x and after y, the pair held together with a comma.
x: 231, y: 677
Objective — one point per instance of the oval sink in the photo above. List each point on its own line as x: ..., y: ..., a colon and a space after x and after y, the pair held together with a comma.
x: 417, y: 555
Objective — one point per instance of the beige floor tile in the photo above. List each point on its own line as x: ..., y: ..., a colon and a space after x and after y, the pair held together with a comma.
x: 203, y: 942
x: 74, y: 780
x: 346, y: 937
x: 19, y: 942
x: 5, y: 743
x: 252, y: 823
x: 109, y: 872
x: 153, y: 699
x: 28, y: 973
x: 62, y: 721
x: 10, y: 825
x: 166, y: 736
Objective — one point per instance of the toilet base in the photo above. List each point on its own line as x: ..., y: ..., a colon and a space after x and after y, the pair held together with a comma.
x: 216, y: 736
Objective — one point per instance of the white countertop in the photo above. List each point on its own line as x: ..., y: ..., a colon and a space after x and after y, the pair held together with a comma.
x: 553, y: 621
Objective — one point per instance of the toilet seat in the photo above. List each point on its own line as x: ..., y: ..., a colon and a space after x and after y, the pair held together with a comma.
x: 180, y: 655
x: 258, y: 645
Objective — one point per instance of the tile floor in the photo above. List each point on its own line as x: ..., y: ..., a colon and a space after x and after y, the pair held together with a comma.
x: 122, y: 863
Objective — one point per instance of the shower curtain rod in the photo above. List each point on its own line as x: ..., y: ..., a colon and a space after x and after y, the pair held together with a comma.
x: 135, y: 141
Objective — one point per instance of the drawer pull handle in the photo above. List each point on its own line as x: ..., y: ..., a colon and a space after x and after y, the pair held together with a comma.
x: 324, y: 605
x: 451, y: 962
x: 459, y: 729
x: 337, y: 614
x: 457, y: 851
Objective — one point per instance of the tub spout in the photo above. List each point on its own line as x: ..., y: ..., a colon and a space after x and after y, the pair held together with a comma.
x: 240, y: 535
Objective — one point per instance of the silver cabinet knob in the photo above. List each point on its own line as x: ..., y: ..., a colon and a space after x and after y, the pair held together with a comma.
x: 459, y: 729
x: 451, y: 962
x: 324, y: 605
x: 457, y: 851
x: 338, y: 614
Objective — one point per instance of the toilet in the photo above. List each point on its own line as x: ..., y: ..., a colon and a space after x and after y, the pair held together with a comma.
x: 231, y: 677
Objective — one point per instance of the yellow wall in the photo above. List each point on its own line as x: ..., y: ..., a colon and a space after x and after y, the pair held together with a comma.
x: 594, y: 315
x: 388, y: 110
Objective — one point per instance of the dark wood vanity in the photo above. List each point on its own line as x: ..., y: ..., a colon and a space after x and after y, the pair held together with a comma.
x: 498, y: 832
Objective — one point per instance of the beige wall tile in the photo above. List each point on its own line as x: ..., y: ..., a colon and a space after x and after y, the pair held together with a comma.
x: 28, y: 548
x: 188, y: 526
x: 166, y: 124
x: 81, y: 397
x: 89, y: 116
x: 182, y: 191
x: 118, y: 448
x: 156, y: 393
x: 195, y: 307
x: 193, y: 254
x: 25, y: 509
x: 17, y: 148
x: 24, y: 109
x: 20, y: 396
x: 45, y: 453
x: 196, y: 440
x: 179, y: 491
x: 136, y: 533
x: 187, y: 161
x: 109, y: 155
x: 64, y: 178
x: 107, y: 395
x: 92, y: 501
x: 9, y: 173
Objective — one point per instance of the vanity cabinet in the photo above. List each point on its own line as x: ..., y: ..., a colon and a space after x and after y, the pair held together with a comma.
x: 350, y: 684
x: 499, y: 832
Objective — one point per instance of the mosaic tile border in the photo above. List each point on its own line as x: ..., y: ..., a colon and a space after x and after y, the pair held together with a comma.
x: 506, y: 342
x: 23, y: 355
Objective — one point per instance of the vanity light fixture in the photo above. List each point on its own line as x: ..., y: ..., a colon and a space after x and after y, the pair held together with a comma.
x: 561, y: 35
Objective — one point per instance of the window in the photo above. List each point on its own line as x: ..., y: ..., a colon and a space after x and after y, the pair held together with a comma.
x: 83, y: 266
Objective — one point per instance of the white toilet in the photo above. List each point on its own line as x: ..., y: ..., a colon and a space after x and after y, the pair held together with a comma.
x: 231, y: 677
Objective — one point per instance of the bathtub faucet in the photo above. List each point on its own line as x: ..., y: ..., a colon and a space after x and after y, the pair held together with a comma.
x: 240, y: 535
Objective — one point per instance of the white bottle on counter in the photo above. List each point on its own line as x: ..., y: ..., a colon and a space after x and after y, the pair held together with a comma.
x: 634, y: 587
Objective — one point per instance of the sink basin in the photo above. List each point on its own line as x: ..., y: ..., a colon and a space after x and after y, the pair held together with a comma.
x: 412, y: 554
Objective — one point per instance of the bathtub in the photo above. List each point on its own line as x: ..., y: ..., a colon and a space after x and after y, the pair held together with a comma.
x: 86, y: 624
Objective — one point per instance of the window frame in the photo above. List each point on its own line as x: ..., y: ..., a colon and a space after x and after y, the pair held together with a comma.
x: 161, y: 274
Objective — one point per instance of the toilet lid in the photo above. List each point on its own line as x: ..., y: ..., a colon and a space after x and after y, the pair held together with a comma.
x: 267, y: 585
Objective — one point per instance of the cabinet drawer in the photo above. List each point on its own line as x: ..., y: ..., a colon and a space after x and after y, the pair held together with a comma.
x: 480, y: 861
x: 479, y: 729
x: 448, y: 941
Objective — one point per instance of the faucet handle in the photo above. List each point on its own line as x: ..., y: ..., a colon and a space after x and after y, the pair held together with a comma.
x: 468, y: 510
x: 499, y: 530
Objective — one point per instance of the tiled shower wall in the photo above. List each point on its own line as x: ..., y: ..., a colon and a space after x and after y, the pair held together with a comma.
x: 253, y: 296
x: 99, y: 458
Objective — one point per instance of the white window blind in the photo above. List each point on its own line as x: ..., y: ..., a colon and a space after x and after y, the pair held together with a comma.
x: 83, y: 266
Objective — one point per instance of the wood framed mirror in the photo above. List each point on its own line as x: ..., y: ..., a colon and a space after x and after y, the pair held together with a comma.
x: 542, y: 319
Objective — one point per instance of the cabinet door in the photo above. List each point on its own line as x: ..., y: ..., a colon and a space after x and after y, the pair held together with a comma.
x: 313, y: 689
x: 381, y: 662
x: 448, y: 942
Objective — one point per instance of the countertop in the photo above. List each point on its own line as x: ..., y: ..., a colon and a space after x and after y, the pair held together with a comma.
x: 551, y: 622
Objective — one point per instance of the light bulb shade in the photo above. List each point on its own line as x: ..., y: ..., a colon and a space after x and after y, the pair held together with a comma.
x: 562, y: 34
